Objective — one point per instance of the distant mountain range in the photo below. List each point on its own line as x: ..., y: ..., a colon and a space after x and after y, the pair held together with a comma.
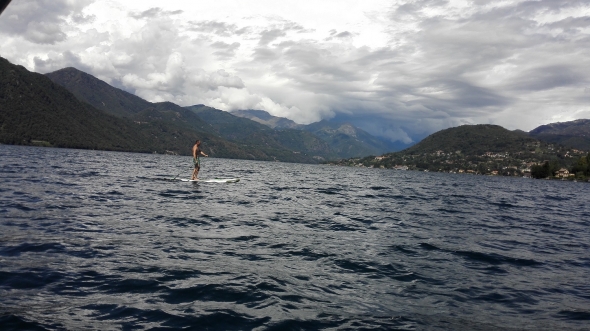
x: 70, y: 108
x: 344, y: 139
x: 260, y: 136
x: 478, y: 149
x: 574, y: 133
x: 284, y: 136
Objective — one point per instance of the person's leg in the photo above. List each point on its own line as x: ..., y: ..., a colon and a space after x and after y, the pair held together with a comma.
x: 195, y: 173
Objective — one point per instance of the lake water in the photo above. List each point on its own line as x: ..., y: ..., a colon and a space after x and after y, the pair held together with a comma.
x: 93, y: 240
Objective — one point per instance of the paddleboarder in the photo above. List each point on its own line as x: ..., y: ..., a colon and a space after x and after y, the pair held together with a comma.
x: 197, y: 152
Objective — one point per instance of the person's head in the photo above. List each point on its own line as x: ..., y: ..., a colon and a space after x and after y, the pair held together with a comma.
x: 198, y: 142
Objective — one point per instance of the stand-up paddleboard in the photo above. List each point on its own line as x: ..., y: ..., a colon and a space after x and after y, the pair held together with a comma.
x: 212, y: 180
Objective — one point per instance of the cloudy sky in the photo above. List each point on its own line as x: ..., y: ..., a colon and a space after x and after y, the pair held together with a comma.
x: 400, y: 69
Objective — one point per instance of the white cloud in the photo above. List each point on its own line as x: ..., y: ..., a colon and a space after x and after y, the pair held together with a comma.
x: 400, y: 69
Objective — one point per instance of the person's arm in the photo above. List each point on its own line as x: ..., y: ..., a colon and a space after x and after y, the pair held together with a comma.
x: 203, y: 153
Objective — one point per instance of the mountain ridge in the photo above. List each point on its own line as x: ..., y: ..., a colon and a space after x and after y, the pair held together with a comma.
x: 335, y: 141
x: 168, y: 117
x: 114, y: 101
x: 263, y: 117
x: 344, y: 138
x: 477, y: 149
x: 36, y: 111
x: 139, y: 125
x: 571, y: 133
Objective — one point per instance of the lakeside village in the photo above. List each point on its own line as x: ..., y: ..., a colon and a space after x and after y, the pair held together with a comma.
x: 572, y: 165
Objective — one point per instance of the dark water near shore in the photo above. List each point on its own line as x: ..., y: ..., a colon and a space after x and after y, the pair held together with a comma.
x: 95, y: 240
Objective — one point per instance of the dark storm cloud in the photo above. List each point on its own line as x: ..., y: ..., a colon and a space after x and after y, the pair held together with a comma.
x: 41, y: 21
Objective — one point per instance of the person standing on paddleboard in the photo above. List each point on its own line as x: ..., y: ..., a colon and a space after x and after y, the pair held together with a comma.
x: 196, y: 153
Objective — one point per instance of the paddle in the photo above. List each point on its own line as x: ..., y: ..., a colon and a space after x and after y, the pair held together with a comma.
x: 179, y: 174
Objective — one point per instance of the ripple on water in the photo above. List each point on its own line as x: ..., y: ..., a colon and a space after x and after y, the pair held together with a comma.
x: 86, y: 245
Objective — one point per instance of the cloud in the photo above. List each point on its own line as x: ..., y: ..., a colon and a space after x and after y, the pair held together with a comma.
x: 400, y: 69
x: 56, y: 61
x: 344, y: 34
x: 42, y: 21
x: 225, y: 50
x: 214, y: 27
x: 269, y: 36
x: 153, y: 13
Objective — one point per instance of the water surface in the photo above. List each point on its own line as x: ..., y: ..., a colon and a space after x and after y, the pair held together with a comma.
x: 106, y: 241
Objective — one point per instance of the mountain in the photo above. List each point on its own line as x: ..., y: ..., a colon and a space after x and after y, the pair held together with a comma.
x: 474, y: 140
x: 347, y: 140
x: 481, y: 149
x: 34, y: 110
x: 272, y: 136
x: 120, y: 103
x: 344, y: 139
x: 243, y: 138
x: 267, y: 119
x: 98, y: 93
x: 227, y: 125
x: 574, y: 133
x: 260, y: 136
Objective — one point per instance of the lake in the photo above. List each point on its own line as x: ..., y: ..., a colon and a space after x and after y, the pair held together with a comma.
x: 93, y: 240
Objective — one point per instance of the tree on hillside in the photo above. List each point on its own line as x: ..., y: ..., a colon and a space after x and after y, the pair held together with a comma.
x: 545, y: 170
x: 582, y: 167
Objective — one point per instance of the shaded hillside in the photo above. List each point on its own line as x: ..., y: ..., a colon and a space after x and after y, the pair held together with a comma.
x: 117, y: 102
x: 176, y: 115
x: 98, y: 93
x: 575, y: 134
x: 34, y: 110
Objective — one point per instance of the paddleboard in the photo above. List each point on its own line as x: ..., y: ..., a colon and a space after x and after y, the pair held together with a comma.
x: 212, y: 180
